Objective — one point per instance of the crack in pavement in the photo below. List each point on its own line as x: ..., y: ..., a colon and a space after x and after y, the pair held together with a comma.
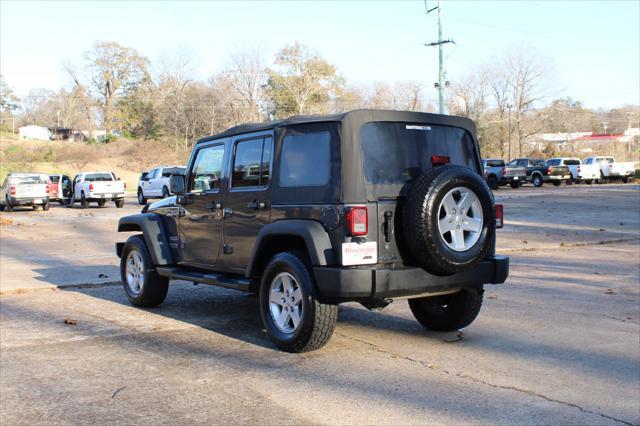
x: 483, y: 382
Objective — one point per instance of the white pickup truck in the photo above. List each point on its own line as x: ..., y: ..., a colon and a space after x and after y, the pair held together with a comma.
x: 610, y: 169
x: 580, y: 172
x: 25, y: 189
x: 155, y: 182
x: 97, y: 187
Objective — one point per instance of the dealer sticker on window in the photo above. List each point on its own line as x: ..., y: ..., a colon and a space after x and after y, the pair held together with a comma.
x: 359, y: 254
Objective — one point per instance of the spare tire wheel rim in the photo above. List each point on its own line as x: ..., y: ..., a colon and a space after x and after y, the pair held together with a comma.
x: 285, y: 302
x: 460, y: 219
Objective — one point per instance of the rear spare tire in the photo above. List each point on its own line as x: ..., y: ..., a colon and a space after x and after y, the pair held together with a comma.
x: 448, y: 219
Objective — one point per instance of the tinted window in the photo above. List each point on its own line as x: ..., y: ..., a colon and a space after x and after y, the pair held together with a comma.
x: 494, y: 163
x: 305, y: 159
x: 207, y: 169
x: 394, y: 153
x: 251, y: 163
x: 65, y: 180
x: 554, y: 162
x: 54, y: 178
x: 572, y: 162
x: 98, y: 177
x: 173, y: 171
x: 537, y: 163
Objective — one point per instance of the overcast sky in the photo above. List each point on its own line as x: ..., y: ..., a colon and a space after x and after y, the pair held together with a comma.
x: 593, y: 46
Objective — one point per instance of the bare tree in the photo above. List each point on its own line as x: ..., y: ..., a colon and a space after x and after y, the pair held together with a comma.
x: 114, y: 70
x: 81, y: 93
x: 246, y: 77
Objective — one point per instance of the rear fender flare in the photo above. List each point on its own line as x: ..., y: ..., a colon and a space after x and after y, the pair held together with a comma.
x: 154, y: 233
x: 315, y: 237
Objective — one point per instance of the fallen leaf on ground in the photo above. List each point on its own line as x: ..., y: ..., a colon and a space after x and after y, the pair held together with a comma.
x: 610, y: 291
x: 70, y: 321
x: 103, y: 276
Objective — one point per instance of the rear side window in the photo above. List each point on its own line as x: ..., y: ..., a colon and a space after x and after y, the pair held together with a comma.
x: 252, y: 163
x: 54, y: 178
x: 494, y: 163
x: 172, y: 171
x: 554, y: 162
x: 572, y: 162
x: 305, y: 159
x: 394, y: 152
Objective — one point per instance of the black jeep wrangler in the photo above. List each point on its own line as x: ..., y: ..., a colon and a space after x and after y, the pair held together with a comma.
x: 310, y: 212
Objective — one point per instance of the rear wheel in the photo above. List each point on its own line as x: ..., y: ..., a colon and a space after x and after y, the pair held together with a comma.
x: 515, y: 184
x: 35, y: 207
x: 448, y: 312
x: 84, y: 203
x: 101, y: 203
x: 45, y: 207
x: 588, y: 181
x: 600, y: 180
x: 536, y: 180
x: 295, y: 321
x: 493, y: 183
x: 142, y: 284
x: 119, y: 203
x: 557, y: 182
x: 625, y: 179
x: 8, y: 205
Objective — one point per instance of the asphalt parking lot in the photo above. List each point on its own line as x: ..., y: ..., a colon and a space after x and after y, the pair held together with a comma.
x: 558, y: 344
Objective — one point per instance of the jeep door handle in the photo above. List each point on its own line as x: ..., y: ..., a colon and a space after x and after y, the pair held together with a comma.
x: 257, y: 205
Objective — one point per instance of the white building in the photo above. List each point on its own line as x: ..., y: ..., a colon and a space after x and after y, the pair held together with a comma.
x: 34, y: 132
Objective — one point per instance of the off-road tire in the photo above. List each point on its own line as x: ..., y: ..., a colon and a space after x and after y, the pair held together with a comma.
x: 155, y: 287
x: 45, y: 207
x: 537, y: 180
x: 102, y: 203
x: 493, y: 183
x: 420, y: 216
x: 84, y: 203
x: 448, y: 312
x: 557, y: 182
x: 318, y: 320
x: 119, y: 203
x: 516, y: 184
x: 141, y: 200
x: 165, y: 192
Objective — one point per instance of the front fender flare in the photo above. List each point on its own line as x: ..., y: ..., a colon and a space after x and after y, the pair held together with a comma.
x: 153, y: 231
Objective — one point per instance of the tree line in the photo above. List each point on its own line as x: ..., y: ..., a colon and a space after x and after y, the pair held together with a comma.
x: 116, y: 88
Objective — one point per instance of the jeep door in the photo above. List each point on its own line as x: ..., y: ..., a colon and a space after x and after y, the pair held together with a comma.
x: 247, y: 202
x: 200, y: 216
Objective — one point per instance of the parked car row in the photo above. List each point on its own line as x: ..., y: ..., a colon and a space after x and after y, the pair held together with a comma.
x: 155, y: 182
x: 555, y: 170
x: 38, y: 189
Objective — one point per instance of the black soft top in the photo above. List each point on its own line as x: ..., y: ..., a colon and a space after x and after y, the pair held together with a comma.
x: 355, y: 117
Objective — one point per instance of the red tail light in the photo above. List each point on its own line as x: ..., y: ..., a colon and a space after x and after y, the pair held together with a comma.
x: 504, y: 171
x: 579, y: 169
x: 48, y: 187
x: 357, y: 221
x: 549, y: 171
x: 125, y: 185
x: 12, y: 190
x: 499, y: 216
x: 439, y: 160
x: 90, y: 187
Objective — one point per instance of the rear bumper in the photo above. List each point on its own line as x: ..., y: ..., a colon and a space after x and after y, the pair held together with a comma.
x: 508, y: 179
x: 113, y: 196
x: 337, y: 284
x: 556, y: 177
x: 27, y: 201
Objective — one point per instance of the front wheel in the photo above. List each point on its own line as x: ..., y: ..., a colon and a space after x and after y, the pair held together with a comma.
x: 448, y: 312
x: 142, y: 284
x: 165, y: 192
x: 84, y: 203
x: 601, y: 179
x: 295, y: 321
x: 141, y: 200
x: 119, y: 203
x: 537, y: 180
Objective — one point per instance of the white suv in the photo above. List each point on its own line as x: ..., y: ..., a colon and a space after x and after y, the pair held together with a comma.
x: 155, y: 182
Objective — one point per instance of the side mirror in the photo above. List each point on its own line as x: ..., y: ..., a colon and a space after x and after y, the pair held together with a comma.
x: 176, y: 184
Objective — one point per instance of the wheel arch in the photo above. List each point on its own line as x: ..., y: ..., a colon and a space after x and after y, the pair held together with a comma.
x: 153, y: 232
x: 288, y: 235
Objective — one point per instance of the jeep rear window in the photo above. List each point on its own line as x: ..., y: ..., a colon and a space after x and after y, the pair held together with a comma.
x: 394, y: 153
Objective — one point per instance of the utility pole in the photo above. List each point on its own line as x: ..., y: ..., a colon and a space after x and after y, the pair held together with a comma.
x: 509, y: 106
x: 442, y: 83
